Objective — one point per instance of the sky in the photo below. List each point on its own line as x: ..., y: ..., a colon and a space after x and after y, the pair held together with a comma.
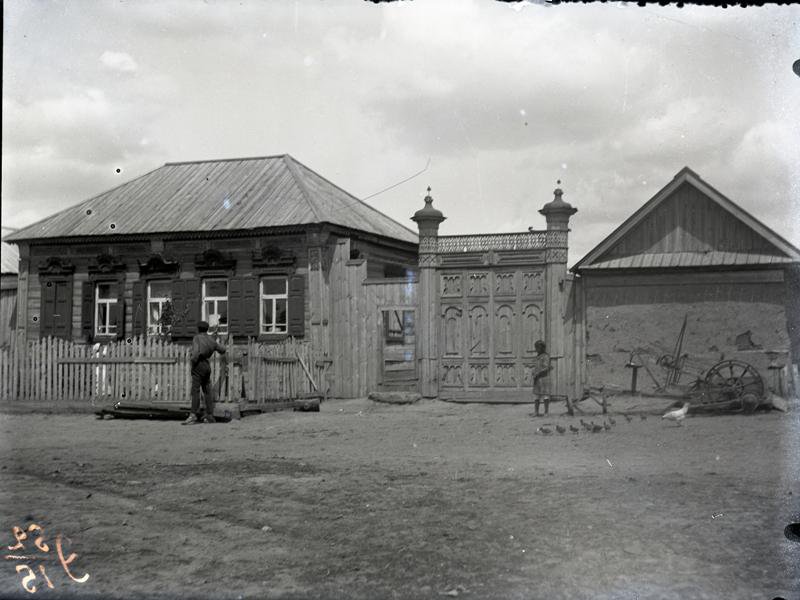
x: 492, y: 102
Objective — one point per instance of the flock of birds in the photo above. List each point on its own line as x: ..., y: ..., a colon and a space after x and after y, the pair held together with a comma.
x: 677, y: 415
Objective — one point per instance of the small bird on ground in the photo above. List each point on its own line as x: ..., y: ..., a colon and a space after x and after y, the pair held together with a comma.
x: 573, y: 429
x: 628, y: 418
x: 606, y: 426
x: 677, y: 415
x: 612, y: 421
x: 545, y: 431
x: 643, y: 417
x: 596, y: 428
x: 585, y: 425
x: 561, y: 430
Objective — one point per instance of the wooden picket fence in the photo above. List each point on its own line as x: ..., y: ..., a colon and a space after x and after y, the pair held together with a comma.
x: 144, y: 370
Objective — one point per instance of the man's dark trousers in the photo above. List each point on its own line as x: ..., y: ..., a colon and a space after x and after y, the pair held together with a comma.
x: 201, y: 378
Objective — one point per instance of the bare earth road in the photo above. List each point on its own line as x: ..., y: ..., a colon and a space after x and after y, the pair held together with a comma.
x: 433, y: 500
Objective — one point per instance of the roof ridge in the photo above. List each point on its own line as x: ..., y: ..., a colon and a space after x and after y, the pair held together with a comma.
x: 356, y: 199
x: 216, y: 160
x: 289, y: 161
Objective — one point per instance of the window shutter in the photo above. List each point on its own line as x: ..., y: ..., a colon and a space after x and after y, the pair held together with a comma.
x: 250, y: 305
x: 178, y: 301
x: 118, y: 311
x: 139, y: 308
x: 296, y: 305
x: 62, y: 322
x: 236, y: 307
x: 87, y: 310
x: 46, y: 326
x: 194, y: 302
x: 186, y: 302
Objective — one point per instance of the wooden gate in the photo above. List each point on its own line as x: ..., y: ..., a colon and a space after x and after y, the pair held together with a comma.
x: 483, y: 302
x: 491, y: 311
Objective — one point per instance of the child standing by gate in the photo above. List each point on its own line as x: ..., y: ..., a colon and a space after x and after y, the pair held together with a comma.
x: 541, y: 378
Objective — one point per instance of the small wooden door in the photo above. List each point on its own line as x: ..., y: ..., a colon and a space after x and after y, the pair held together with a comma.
x: 399, y: 362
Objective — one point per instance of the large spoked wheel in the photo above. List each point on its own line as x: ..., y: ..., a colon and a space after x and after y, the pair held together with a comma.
x: 735, y: 382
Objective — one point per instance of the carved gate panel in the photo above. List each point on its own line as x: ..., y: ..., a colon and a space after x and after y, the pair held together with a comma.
x: 489, y: 320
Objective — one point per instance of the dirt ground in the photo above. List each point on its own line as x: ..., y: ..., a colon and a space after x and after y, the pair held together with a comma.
x: 431, y: 500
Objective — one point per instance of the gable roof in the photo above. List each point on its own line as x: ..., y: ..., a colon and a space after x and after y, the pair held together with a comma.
x: 218, y: 195
x: 774, y: 248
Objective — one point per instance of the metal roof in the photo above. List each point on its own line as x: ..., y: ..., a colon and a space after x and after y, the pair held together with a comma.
x: 218, y: 195
x: 597, y: 258
x: 9, y: 257
x: 660, y: 260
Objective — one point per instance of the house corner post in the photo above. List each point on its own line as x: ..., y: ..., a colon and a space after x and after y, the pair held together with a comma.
x: 428, y: 220
x: 557, y: 213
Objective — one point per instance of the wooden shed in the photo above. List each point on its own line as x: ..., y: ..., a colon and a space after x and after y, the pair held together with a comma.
x: 263, y: 248
x: 688, y: 253
x: 8, y: 290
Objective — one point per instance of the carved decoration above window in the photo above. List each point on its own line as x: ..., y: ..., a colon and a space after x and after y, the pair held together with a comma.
x: 158, y: 264
x: 213, y: 259
x: 273, y: 256
x: 105, y: 264
x: 56, y: 265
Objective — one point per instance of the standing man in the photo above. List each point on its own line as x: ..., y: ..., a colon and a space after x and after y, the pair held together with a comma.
x: 541, y: 377
x: 203, y: 346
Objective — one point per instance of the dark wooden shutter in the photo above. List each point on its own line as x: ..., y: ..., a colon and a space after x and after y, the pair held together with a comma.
x: 62, y: 319
x: 236, y: 307
x: 178, y: 303
x: 47, y: 325
x: 118, y: 311
x: 139, y: 308
x: 250, y: 307
x: 87, y: 310
x: 186, y: 302
x: 296, y: 305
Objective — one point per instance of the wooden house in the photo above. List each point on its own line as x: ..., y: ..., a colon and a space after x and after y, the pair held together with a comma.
x: 8, y: 290
x: 262, y: 248
x: 688, y: 253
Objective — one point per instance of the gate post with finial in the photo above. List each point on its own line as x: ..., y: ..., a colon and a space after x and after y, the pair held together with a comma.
x: 427, y: 220
x: 557, y: 212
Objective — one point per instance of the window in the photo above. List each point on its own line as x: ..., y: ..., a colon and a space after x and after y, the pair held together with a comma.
x: 398, y: 326
x: 215, y: 303
x: 274, y: 299
x: 105, y: 302
x: 159, y: 307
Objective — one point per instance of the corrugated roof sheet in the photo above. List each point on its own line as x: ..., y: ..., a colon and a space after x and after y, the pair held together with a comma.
x: 10, y: 259
x: 688, y: 259
x: 218, y: 195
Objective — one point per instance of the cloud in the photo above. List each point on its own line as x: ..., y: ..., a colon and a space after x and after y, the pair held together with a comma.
x: 118, y: 61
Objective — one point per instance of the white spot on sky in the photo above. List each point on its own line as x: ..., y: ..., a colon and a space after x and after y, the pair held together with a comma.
x: 308, y: 61
x: 522, y: 112
x: 563, y: 165
x: 118, y: 61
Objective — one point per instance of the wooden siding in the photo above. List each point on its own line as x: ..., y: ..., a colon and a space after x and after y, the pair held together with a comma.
x: 356, y: 305
x: 8, y: 314
x: 689, y: 221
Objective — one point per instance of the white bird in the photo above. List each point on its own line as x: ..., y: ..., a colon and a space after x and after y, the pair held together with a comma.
x: 677, y: 415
